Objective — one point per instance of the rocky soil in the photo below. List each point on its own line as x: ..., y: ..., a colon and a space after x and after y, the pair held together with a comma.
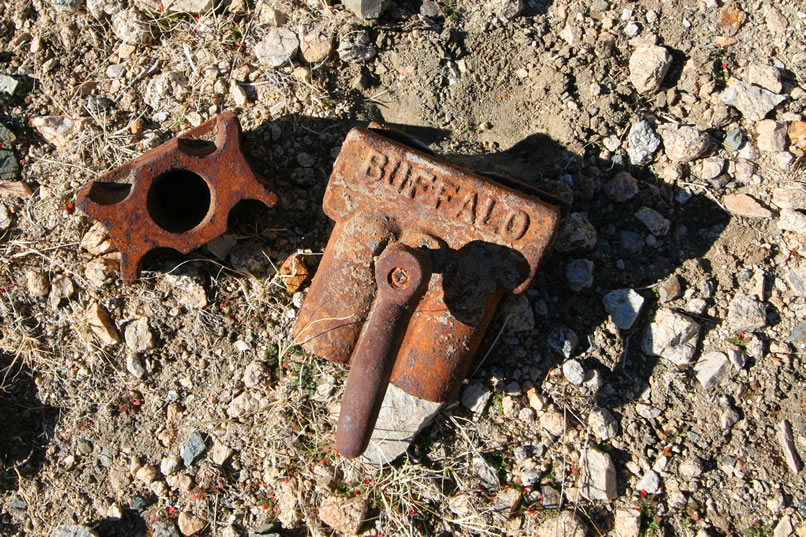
x: 649, y: 382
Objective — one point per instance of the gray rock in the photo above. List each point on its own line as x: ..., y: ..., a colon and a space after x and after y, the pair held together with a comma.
x: 356, y: 47
x: 251, y: 256
x: 401, y: 417
x: 164, y: 528
x: 574, y: 372
x: 648, y: 66
x: 6, y: 136
x: 8, y: 164
x: 9, y: 84
x: 643, y: 143
x: 734, y: 139
x: 683, y: 144
x: 563, y: 341
x: 134, y: 365
x: 73, y: 531
x: 621, y: 187
x: 672, y: 336
x: 728, y: 418
x: 602, y: 423
x: 597, y: 478
x: 138, y: 335
x: 66, y: 6
x: 518, y: 313
x: 746, y: 313
x: 166, y: 91
x: 653, y: 220
x: 485, y: 472
x: 669, y: 289
x: 277, y: 47
x: 579, y: 274
x: 577, y: 234
x: 737, y: 358
x: 599, y: 6
x: 796, y: 278
x: 753, y: 102
x: 791, y: 220
x: 798, y: 334
x: 131, y: 27
x: 624, y: 306
x: 366, y: 9
x: 649, y: 483
x: 784, y: 527
x: 711, y: 369
x: 784, y: 434
x: 193, y: 448
x: 565, y: 524
x: 475, y: 396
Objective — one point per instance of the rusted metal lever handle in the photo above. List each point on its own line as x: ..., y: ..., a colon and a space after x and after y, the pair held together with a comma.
x: 402, y: 275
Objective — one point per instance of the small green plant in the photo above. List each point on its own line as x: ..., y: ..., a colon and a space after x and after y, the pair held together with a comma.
x: 650, y: 520
x: 497, y: 403
x: 450, y: 10
x: 758, y: 530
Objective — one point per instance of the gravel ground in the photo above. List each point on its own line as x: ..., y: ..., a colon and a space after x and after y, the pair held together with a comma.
x: 650, y: 381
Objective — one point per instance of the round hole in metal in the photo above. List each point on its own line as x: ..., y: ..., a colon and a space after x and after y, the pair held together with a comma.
x: 178, y: 200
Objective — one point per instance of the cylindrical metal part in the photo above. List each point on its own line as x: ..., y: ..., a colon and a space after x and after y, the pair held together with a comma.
x: 341, y: 294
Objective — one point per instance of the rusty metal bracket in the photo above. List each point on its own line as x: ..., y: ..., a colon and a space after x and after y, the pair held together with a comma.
x: 480, y: 238
x: 178, y: 195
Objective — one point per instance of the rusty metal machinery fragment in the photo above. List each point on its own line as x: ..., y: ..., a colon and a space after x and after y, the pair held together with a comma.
x: 421, y: 254
x: 178, y: 195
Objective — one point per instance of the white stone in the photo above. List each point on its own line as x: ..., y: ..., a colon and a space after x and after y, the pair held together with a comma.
x: 753, y: 102
x: 783, y: 528
x: 138, y: 335
x: 602, y: 423
x: 475, y: 396
x: 597, y: 479
x: 628, y: 523
x: 791, y: 220
x: 648, y: 65
x: 766, y: 76
x: 238, y: 94
x: 576, y: 234
x: 711, y: 369
x: 683, y: 144
x: 691, y: 468
x: 649, y: 483
x: 169, y: 465
x: 573, y: 372
x: 746, y: 313
x: 220, y: 452
x: 243, y: 405
x: 624, y: 306
x: 401, y: 417
x: 279, y: 46
x: 132, y: 28
x: 257, y: 375
x: 188, y: 6
x: 166, y: 91
x: 672, y: 336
